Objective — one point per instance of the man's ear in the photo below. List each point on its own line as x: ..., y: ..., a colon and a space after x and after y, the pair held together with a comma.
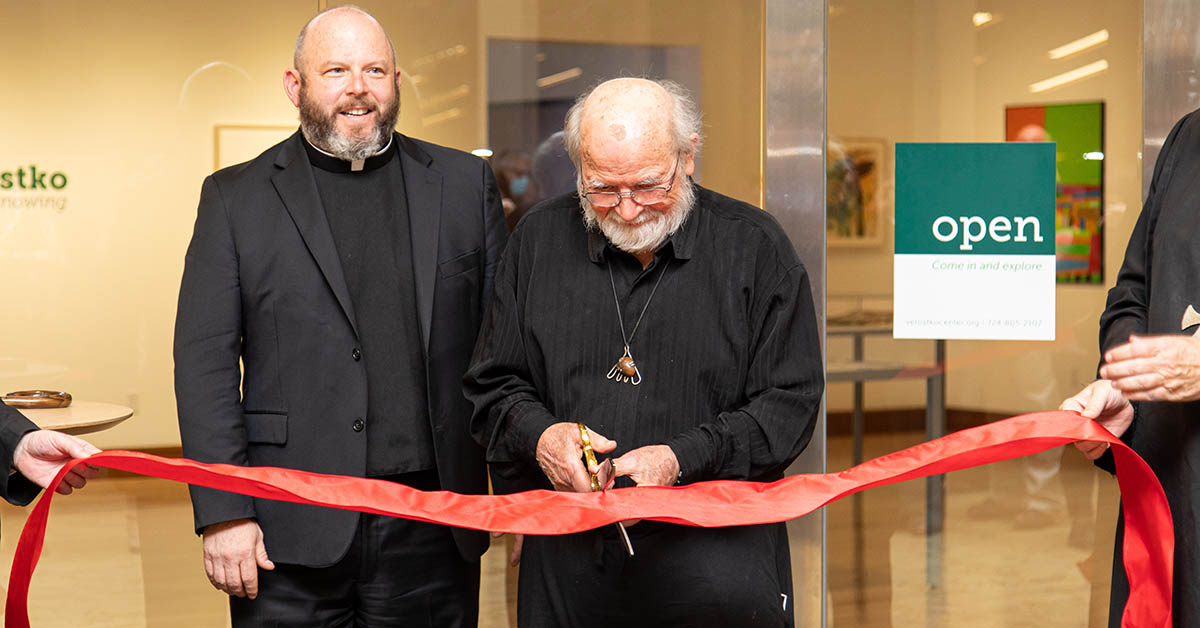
x: 291, y: 85
x: 689, y: 164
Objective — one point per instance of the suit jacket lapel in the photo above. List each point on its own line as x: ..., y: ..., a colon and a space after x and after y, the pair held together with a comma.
x: 423, y: 185
x: 298, y: 189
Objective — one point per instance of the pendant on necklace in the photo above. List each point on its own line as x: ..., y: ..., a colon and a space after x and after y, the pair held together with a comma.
x: 625, y: 370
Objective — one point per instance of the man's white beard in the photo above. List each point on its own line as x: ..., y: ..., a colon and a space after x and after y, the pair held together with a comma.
x: 649, y: 230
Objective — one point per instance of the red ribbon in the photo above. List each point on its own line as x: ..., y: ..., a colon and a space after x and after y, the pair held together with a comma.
x: 1149, y: 533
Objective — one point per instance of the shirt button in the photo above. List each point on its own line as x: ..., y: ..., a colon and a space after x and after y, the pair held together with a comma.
x: 356, y: 354
x: 359, y: 425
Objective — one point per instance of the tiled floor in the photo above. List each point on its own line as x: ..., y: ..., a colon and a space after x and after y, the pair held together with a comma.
x: 121, y: 553
x: 999, y: 567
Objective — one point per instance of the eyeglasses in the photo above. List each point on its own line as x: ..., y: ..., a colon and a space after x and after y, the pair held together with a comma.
x: 641, y: 196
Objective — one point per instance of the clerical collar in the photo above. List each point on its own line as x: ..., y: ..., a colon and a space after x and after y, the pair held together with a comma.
x: 326, y: 161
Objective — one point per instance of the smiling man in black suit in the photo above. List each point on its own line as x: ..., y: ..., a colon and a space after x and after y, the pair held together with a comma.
x: 346, y: 269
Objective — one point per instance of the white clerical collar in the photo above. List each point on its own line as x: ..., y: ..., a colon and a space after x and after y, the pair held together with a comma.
x: 355, y: 164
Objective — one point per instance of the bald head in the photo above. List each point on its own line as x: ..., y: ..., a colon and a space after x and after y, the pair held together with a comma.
x: 620, y: 116
x: 626, y: 117
x: 341, y: 19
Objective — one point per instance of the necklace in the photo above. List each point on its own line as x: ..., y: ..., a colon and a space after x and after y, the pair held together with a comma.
x: 625, y: 370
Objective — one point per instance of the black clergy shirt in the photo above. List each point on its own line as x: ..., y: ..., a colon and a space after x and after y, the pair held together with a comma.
x: 728, y: 347
x: 367, y: 212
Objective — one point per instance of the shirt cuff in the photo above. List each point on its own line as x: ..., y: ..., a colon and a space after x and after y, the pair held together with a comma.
x: 694, y: 452
x: 1107, y: 461
x: 21, y: 490
x: 527, y: 420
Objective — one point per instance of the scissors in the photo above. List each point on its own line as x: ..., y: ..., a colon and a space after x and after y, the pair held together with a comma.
x: 603, y: 478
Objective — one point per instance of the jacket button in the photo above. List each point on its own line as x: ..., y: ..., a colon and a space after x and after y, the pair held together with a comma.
x: 359, y: 425
x: 356, y: 354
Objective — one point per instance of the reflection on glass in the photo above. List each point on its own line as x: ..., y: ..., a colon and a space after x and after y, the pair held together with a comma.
x: 944, y: 72
x: 532, y: 84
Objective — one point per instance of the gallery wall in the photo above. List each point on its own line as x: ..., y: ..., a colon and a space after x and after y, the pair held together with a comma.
x: 121, y: 97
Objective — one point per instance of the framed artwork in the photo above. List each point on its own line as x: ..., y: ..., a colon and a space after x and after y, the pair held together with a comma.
x: 235, y: 143
x: 853, y: 204
x: 1077, y: 129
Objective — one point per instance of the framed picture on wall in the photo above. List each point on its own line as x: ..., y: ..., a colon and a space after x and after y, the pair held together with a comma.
x: 1077, y: 129
x: 853, y: 203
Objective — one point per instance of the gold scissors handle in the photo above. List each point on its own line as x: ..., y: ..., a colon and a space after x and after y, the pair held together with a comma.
x: 589, y: 454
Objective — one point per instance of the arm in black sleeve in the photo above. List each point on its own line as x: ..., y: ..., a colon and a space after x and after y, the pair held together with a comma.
x: 14, y: 487
x: 509, y: 415
x: 208, y: 344
x: 1125, y: 311
x: 784, y: 385
x: 495, y: 231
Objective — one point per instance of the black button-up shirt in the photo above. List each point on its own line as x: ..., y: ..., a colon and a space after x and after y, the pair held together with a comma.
x: 728, y: 348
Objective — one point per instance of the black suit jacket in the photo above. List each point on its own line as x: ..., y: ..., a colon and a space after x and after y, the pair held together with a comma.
x: 14, y: 487
x: 262, y: 284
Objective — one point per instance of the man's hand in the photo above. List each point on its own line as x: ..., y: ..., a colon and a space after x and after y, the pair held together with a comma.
x: 1155, y: 368
x: 233, y: 551
x: 40, y: 455
x: 559, y: 450
x: 652, y: 465
x: 1104, y: 403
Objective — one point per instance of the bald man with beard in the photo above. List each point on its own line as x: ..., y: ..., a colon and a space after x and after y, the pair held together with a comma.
x: 332, y: 292
x: 677, y: 325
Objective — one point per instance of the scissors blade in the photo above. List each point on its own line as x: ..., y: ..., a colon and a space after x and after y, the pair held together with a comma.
x: 605, y: 477
x: 625, y: 537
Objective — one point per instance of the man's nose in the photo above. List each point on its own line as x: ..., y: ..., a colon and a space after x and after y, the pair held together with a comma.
x: 627, y: 209
x: 356, y: 85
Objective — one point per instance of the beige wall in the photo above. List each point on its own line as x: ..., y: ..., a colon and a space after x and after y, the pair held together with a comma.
x: 123, y: 97
x: 116, y: 96
x: 917, y: 70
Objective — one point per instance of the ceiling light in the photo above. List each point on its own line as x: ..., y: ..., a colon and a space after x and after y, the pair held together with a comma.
x: 980, y: 18
x: 1081, y: 72
x: 442, y: 116
x: 1094, y: 156
x: 482, y: 152
x: 1081, y: 44
x: 560, y: 77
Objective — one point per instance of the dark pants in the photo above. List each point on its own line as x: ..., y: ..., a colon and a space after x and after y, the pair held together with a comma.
x: 680, y: 576
x: 397, y: 572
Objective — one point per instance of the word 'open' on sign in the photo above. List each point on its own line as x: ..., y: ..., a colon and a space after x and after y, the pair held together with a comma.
x: 974, y: 229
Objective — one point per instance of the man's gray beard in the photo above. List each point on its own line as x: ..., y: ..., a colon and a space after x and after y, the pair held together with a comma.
x: 321, y: 131
x: 649, y: 230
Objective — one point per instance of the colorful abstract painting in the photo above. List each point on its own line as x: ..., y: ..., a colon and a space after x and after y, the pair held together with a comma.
x: 854, y: 168
x: 1077, y: 129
